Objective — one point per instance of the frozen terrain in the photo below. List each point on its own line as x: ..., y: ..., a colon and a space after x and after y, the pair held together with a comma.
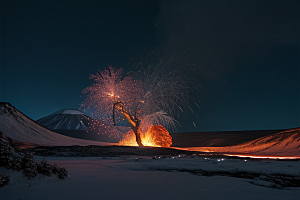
x: 168, y: 178
x: 101, y: 171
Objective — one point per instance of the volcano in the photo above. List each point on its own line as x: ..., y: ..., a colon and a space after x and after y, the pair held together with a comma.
x: 74, y: 123
x: 66, y: 119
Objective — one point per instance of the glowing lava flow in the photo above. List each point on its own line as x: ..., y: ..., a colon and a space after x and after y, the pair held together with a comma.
x: 226, y: 152
x: 263, y: 156
x: 156, y: 136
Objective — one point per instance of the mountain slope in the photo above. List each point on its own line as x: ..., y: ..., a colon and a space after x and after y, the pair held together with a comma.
x: 218, y: 139
x: 284, y: 143
x: 18, y: 126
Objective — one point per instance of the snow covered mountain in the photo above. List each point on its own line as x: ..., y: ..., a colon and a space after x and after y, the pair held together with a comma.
x: 66, y: 119
x: 18, y: 126
x: 74, y: 123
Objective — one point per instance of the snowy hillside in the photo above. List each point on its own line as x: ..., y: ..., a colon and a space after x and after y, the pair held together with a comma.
x: 285, y: 143
x: 18, y: 126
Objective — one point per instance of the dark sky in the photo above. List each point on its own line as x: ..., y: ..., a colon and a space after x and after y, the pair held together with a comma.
x: 245, y: 55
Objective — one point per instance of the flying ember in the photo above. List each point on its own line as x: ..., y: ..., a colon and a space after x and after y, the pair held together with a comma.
x: 144, y: 106
x: 156, y: 136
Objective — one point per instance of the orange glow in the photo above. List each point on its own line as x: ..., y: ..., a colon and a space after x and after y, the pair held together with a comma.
x: 241, y: 154
x: 156, y: 136
x: 110, y: 94
x: 263, y: 156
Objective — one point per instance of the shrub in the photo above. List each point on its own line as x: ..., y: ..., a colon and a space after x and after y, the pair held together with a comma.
x: 4, y: 179
x: 62, y: 173
x: 45, y: 168
x: 18, y: 161
x: 6, y: 154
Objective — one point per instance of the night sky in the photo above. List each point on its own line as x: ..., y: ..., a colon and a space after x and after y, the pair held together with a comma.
x: 244, y: 55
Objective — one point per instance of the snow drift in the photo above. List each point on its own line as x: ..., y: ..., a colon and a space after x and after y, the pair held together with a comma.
x: 18, y: 126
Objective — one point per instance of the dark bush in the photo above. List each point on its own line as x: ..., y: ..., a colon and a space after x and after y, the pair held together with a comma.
x: 62, y: 173
x: 30, y: 170
x: 55, y: 169
x: 27, y: 158
x: 29, y: 165
x: 4, y: 179
x: 18, y: 161
x: 6, y: 154
x: 45, y: 168
x: 16, y: 164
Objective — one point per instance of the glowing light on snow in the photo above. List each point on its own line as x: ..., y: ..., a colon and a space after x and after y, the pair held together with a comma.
x: 263, y: 156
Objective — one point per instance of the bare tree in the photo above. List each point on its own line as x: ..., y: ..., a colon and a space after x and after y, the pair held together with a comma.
x: 139, y: 102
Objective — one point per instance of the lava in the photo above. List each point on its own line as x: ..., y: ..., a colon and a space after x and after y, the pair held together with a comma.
x: 156, y: 136
x: 114, y: 99
x: 263, y: 156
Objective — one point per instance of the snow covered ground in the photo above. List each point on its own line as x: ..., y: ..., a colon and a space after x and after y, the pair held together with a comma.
x: 147, y: 178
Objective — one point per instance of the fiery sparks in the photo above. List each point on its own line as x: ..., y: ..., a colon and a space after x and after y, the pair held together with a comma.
x: 119, y: 102
x: 156, y: 136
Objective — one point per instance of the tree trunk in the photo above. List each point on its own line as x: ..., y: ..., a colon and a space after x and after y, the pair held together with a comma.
x: 135, y: 123
x: 137, y: 133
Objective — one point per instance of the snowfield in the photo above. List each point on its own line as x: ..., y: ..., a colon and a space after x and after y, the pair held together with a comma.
x: 147, y: 178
